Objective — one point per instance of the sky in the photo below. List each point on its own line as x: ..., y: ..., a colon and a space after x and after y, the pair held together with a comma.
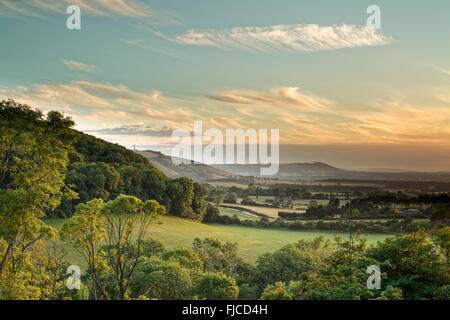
x: 338, y: 91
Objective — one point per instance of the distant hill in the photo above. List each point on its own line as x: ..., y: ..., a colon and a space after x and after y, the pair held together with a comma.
x: 196, y: 172
x: 323, y: 171
x: 287, y: 171
x: 291, y: 171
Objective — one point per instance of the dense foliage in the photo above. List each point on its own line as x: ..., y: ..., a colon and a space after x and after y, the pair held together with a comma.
x: 34, y: 151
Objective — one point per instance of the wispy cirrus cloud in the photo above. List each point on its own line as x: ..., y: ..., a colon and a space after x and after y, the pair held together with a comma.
x: 14, y: 8
x: 79, y: 66
x: 298, y: 37
x: 441, y: 70
x: 141, y: 43
x: 136, y: 130
x: 125, y: 8
x: 94, y: 104
x: 397, y: 121
x: 286, y: 96
x: 302, y: 117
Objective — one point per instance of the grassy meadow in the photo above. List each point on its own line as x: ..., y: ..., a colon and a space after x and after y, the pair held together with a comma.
x: 175, y: 232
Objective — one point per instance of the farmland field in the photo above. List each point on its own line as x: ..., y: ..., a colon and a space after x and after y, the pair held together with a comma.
x: 240, y: 214
x: 271, y: 212
x: 175, y: 232
x: 298, y: 203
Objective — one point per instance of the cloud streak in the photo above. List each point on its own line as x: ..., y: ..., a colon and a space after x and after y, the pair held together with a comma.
x: 124, y: 8
x: 298, y: 37
x: 396, y: 121
x: 441, y: 70
x: 79, y: 66
x: 136, y: 130
x: 285, y: 96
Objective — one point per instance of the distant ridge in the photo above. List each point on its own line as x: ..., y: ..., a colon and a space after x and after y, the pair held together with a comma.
x: 323, y: 171
x: 287, y: 171
x: 196, y: 172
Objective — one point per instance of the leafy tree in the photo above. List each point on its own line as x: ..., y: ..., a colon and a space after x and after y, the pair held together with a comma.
x: 441, y: 238
x: 275, y: 291
x: 334, y: 203
x: 85, y: 231
x: 212, y: 213
x: 441, y: 212
x: 219, y: 196
x: 42, y: 275
x: 131, y: 181
x: 154, y: 184
x: 152, y: 247
x: 391, y: 293
x: 91, y: 181
x: 286, y: 264
x: 412, y: 263
x: 215, y: 255
x: 180, y: 193
x: 216, y: 286
x: 349, y: 249
x: 126, y: 218
x: 231, y: 197
x: 34, y: 153
x: 185, y: 257
x: 158, y: 279
x: 199, y: 205
x: 247, y: 292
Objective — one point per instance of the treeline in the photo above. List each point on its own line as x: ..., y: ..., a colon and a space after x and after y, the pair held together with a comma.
x: 279, y: 192
x: 399, y: 198
x: 382, y: 226
x: 352, y: 209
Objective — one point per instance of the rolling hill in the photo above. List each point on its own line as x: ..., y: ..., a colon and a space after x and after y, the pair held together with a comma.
x: 287, y: 171
x: 323, y: 171
x: 196, y: 172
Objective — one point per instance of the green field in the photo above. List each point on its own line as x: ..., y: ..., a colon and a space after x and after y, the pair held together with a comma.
x: 176, y: 232
x: 227, y: 184
x: 240, y: 214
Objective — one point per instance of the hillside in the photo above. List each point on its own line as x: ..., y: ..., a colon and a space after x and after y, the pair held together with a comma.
x: 196, y: 172
x: 287, y: 171
x: 92, y: 149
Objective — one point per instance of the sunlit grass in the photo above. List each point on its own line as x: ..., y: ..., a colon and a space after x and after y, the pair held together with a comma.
x: 175, y: 232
